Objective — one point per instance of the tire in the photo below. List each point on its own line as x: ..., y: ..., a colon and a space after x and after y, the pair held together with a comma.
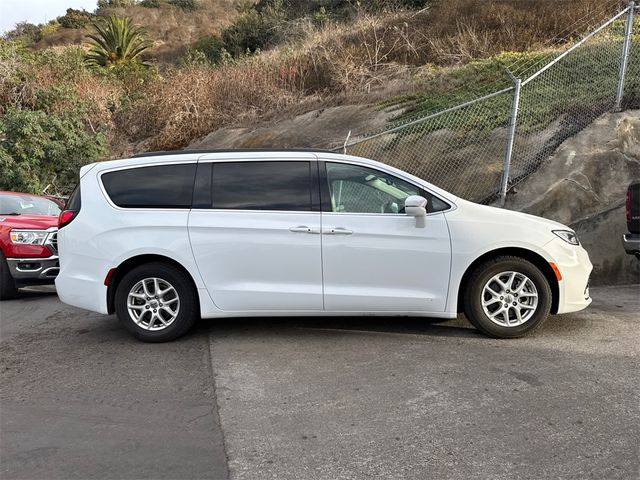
x: 172, y: 319
x: 8, y: 288
x: 532, y: 303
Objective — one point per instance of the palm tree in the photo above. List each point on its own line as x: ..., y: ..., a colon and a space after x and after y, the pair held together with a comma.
x: 116, y: 41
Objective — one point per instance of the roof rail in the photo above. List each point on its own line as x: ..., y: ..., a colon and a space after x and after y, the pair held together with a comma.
x: 229, y: 150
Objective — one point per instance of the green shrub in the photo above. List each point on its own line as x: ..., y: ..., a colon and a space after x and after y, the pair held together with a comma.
x: 49, y: 28
x: 39, y: 149
x: 211, y: 47
x: 75, y: 18
x: 116, y: 3
x: 150, y: 3
x: 340, y: 10
x: 24, y: 32
x: 186, y: 5
x: 254, y: 30
x: 247, y: 34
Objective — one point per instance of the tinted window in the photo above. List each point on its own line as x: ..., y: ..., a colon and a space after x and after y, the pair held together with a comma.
x: 262, y: 186
x: 435, y: 204
x: 163, y: 186
x: 73, y: 202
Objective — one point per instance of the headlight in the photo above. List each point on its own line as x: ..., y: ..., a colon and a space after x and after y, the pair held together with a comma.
x: 568, y: 236
x: 28, y: 237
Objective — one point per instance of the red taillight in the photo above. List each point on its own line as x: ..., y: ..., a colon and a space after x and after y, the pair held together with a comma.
x: 629, y: 206
x: 65, y: 218
x: 107, y: 279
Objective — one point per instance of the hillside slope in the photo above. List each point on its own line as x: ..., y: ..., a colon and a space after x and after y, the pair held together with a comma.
x: 274, y: 60
x: 171, y: 29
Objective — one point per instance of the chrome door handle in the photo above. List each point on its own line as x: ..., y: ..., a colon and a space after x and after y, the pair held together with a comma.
x: 303, y: 229
x: 338, y: 231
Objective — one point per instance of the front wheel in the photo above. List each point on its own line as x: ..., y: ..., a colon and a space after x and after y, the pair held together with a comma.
x: 507, y: 297
x: 156, y: 302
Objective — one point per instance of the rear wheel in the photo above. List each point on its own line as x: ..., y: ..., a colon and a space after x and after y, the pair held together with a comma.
x: 156, y: 302
x: 507, y: 297
x: 8, y: 288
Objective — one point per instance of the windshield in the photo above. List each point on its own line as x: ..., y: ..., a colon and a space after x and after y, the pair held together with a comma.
x: 23, y: 204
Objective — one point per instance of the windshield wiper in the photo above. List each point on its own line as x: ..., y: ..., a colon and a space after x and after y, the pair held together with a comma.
x: 12, y: 213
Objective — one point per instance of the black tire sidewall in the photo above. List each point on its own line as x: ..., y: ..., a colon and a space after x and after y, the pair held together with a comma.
x: 8, y: 288
x: 473, y: 297
x: 185, y: 289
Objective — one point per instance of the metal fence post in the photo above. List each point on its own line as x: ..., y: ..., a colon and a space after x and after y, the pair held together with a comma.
x: 625, y: 55
x: 513, y: 121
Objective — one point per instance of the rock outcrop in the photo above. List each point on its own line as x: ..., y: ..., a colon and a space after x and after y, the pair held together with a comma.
x: 584, y: 184
x: 324, y: 128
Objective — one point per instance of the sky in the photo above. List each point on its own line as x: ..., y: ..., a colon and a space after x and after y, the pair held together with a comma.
x: 37, y: 11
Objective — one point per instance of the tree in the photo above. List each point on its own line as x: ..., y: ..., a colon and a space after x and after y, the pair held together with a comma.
x: 39, y: 148
x: 75, y: 18
x: 26, y: 32
x: 117, y: 41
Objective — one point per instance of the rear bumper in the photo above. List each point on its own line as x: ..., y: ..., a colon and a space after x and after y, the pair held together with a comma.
x: 34, y: 271
x: 631, y: 243
x: 79, y: 283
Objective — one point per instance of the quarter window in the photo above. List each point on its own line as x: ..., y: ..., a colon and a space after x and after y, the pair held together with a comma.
x: 162, y: 186
x: 261, y: 186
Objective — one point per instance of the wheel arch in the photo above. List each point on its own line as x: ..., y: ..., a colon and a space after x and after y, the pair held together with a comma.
x: 524, y: 253
x: 133, y: 262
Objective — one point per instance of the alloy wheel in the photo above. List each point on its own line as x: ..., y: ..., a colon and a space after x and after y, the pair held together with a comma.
x: 509, y: 299
x: 153, y: 304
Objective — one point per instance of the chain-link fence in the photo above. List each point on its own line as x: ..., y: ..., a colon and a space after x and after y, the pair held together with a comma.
x: 480, y: 149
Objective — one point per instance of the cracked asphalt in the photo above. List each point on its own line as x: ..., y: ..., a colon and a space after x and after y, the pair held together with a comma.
x: 319, y: 398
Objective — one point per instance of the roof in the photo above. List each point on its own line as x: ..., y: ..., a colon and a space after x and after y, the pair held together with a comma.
x: 230, y: 150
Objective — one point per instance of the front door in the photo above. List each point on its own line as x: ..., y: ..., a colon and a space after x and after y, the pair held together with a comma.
x: 255, y: 234
x: 374, y: 256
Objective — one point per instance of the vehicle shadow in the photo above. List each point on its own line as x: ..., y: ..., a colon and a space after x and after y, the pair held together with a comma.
x: 34, y: 293
x: 348, y: 325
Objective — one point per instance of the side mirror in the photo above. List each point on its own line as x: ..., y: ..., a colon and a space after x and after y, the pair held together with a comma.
x: 415, y: 206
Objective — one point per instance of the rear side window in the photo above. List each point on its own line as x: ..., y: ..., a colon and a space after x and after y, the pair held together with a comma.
x: 261, y: 186
x: 162, y: 186
x: 73, y: 202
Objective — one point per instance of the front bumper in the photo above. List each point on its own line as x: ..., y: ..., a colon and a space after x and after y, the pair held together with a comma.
x: 34, y: 271
x: 575, y: 267
x: 631, y: 243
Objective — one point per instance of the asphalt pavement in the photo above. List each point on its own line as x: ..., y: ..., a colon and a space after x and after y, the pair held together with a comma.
x: 320, y: 398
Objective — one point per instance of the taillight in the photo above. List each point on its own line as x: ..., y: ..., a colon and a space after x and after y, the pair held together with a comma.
x: 629, y: 205
x: 107, y: 279
x: 65, y: 217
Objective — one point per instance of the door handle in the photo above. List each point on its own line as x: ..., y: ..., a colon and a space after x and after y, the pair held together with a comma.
x: 303, y: 229
x: 337, y: 231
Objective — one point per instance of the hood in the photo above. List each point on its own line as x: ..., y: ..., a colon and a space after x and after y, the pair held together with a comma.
x: 505, y: 215
x: 38, y: 222
x: 493, y: 228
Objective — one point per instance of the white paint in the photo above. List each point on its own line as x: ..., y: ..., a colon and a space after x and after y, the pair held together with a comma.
x: 251, y: 263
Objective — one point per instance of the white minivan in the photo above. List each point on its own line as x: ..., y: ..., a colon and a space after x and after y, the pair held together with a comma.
x: 163, y: 239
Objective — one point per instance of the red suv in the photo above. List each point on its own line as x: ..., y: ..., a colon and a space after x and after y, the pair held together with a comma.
x: 28, y: 241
